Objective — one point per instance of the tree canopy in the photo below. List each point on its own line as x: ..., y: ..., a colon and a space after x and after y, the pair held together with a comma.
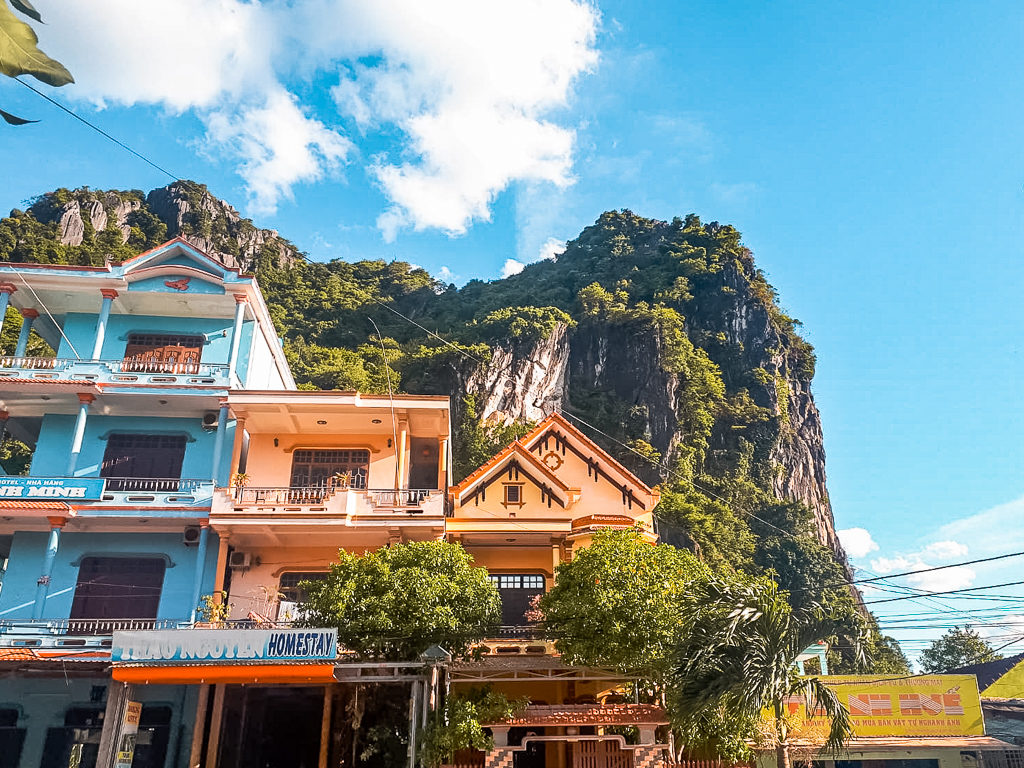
x: 959, y: 647
x: 395, y: 602
x: 619, y: 602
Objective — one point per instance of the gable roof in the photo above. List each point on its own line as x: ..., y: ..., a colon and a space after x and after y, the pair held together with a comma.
x: 522, y: 449
x: 514, y: 453
x: 557, y: 419
x: 989, y: 671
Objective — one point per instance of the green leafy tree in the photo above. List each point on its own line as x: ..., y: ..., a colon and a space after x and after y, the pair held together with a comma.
x: 394, y: 603
x: 460, y: 725
x: 738, y: 656
x: 619, y: 602
x: 15, y: 457
x: 959, y: 647
x: 20, y: 54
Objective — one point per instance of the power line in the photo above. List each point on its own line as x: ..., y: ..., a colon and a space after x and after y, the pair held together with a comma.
x: 937, y: 568
x: 945, y: 592
x: 98, y: 129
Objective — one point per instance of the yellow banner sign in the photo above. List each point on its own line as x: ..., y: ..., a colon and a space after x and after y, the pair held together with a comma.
x: 932, y: 705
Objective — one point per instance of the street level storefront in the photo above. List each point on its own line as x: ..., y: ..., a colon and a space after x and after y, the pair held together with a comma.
x: 927, y: 721
x: 263, y: 697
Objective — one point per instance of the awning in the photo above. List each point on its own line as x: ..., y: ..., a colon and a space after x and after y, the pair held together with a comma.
x: 185, y: 674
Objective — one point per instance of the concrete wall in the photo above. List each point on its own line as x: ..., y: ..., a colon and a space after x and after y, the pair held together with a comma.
x: 26, y: 559
x: 51, y: 454
x: 81, y: 331
x: 43, y: 701
x: 271, y: 467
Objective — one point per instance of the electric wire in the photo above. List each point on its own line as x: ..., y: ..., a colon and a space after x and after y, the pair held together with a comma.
x: 98, y: 129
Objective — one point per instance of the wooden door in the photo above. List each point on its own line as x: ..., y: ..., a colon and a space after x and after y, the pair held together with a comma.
x: 163, y: 353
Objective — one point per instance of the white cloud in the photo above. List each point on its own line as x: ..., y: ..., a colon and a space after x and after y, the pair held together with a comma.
x: 552, y: 248
x: 933, y: 581
x: 857, y: 542
x: 445, y: 275
x: 511, y: 267
x: 469, y: 88
x: 945, y: 550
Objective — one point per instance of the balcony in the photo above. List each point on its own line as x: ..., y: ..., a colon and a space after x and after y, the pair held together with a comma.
x: 115, y: 371
x: 350, y: 506
x: 108, y: 496
x: 86, y: 634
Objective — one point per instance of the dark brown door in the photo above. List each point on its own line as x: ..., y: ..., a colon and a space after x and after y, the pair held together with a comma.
x: 600, y: 754
x: 423, y: 466
x: 118, y: 588
x: 322, y: 469
x: 163, y: 353
x: 143, y: 462
x: 518, y: 592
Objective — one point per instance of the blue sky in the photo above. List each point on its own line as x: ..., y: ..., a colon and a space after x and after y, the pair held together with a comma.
x: 870, y: 153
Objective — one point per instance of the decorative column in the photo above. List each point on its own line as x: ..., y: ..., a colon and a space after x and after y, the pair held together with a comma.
x: 43, y: 582
x: 108, y: 295
x: 84, y: 400
x: 401, y: 453
x: 6, y: 289
x: 197, y: 579
x: 442, y: 463
x: 26, y: 327
x: 218, y: 444
x: 236, y: 333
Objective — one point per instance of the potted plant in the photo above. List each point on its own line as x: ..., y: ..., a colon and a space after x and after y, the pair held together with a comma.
x: 213, y: 610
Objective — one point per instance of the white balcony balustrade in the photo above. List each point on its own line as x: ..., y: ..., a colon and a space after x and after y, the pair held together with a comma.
x: 115, y: 371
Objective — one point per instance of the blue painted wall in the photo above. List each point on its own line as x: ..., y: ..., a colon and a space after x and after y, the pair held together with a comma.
x: 29, y: 547
x: 43, y: 701
x: 80, y: 330
x: 54, y: 444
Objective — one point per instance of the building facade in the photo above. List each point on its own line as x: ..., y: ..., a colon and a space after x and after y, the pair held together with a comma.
x: 131, y: 433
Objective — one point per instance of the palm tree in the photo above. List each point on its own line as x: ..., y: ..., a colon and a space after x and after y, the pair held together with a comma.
x: 739, y: 658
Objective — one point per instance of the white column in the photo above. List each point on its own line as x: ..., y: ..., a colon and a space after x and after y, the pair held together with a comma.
x: 236, y: 334
x: 26, y: 327
x: 84, y: 400
x: 101, y: 323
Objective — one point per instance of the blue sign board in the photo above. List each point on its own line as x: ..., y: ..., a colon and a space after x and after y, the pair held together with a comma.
x: 177, y: 645
x: 71, y: 488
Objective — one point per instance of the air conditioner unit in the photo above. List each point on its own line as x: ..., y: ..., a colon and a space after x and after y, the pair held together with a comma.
x: 238, y: 560
x: 210, y: 420
x: 191, y: 535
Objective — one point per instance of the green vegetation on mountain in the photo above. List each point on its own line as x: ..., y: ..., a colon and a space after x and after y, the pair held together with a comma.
x: 663, y: 339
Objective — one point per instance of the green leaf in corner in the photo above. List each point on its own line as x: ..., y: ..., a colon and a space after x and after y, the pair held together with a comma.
x: 19, y: 54
x: 26, y: 7
x: 14, y: 119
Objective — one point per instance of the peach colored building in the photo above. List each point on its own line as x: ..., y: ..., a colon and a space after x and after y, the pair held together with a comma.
x: 520, y: 515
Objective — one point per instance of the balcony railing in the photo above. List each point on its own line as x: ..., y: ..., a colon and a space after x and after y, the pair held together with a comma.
x: 49, y: 632
x: 402, y: 497
x: 301, y: 496
x: 121, y: 371
x: 155, y: 484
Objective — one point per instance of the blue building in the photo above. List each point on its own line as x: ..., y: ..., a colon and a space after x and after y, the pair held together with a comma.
x: 131, y: 432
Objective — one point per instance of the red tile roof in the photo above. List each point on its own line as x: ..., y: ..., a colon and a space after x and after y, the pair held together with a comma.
x: 57, y: 506
x: 603, y: 521
x: 18, y: 654
x: 590, y: 714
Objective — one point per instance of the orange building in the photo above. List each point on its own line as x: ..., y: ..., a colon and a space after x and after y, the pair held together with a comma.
x: 520, y: 515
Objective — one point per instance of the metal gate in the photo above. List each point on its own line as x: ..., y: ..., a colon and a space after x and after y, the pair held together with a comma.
x: 601, y: 754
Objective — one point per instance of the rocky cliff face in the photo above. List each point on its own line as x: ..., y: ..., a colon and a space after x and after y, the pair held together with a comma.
x: 214, y: 227
x: 93, y: 226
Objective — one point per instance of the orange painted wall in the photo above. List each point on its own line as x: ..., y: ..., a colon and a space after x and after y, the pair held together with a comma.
x: 271, y: 467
